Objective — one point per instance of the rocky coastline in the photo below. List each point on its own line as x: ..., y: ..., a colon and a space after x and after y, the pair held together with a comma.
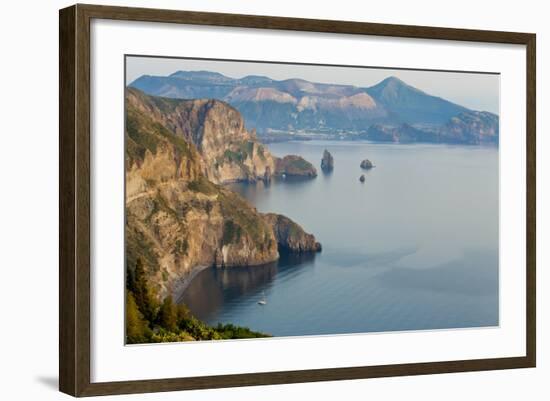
x: 180, y: 217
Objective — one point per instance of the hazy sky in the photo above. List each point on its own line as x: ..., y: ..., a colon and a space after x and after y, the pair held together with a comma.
x: 473, y: 90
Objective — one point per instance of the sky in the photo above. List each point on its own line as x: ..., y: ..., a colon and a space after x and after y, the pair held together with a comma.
x: 477, y: 91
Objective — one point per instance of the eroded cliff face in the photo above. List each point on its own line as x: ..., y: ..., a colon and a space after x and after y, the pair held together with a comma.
x: 229, y: 152
x: 290, y: 236
x: 177, y: 217
x: 182, y: 225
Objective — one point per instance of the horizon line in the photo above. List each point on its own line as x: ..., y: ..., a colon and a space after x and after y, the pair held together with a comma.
x: 201, y: 59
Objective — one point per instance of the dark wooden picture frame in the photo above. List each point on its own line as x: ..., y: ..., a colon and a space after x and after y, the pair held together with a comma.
x: 74, y: 199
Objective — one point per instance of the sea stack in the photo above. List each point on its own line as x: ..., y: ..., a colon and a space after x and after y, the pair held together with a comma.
x: 362, y: 178
x: 327, y: 162
x: 366, y: 164
x: 267, y: 175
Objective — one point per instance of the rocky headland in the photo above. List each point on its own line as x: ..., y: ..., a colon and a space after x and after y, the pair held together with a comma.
x: 294, y: 166
x: 290, y: 236
x: 179, y: 216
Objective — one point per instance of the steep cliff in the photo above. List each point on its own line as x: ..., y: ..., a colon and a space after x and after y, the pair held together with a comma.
x: 290, y: 236
x: 229, y: 152
x: 177, y: 218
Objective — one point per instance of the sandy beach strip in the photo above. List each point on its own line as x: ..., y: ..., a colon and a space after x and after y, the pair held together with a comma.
x: 183, y: 282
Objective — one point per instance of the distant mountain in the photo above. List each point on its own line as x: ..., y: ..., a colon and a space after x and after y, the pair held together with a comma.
x: 269, y: 104
x: 410, y: 105
x: 392, y: 106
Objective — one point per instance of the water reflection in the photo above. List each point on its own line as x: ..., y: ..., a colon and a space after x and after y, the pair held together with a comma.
x: 327, y: 173
x: 217, y: 288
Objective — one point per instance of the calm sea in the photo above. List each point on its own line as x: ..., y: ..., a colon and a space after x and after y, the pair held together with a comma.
x: 414, y: 247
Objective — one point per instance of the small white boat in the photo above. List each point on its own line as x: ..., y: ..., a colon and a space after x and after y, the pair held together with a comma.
x: 262, y: 301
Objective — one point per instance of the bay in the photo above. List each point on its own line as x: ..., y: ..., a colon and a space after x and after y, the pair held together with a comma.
x: 414, y: 247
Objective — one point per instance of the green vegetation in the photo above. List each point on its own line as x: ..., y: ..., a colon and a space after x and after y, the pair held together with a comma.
x: 143, y: 133
x: 231, y: 232
x: 179, y: 143
x: 138, y: 247
x: 203, y: 185
x: 150, y: 322
x: 164, y: 104
x: 168, y: 315
x: 163, y: 336
x: 247, y: 148
x: 238, y: 153
x: 241, y: 220
x: 136, y: 283
x: 230, y: 331
x: 137, y: 330
x: 293, y: 165
x: 299, y: 164
x: 161, y: 204
x: 140, y: 135
x: 233, y: 156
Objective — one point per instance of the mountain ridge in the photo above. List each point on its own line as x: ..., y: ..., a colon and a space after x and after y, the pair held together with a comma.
x: 296, y: 104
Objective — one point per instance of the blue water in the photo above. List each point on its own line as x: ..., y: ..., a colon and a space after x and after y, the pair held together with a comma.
x: 414, y: 247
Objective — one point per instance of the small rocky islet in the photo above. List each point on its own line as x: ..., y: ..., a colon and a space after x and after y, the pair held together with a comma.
x: 294, y: 166
x: 366, y: 164
x: 327, y: 162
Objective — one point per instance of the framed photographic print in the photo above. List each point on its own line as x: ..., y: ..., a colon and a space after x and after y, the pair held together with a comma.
x: 250, y: 200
